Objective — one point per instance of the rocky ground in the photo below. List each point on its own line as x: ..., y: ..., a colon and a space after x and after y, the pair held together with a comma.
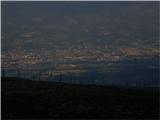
x: 34, y: 100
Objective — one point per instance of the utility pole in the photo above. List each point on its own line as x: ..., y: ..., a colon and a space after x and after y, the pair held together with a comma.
x: 111, y: 82
x: 92, y: 80
x: 60, y: 78
x: 126, y: 83
x: 103, y: 80
x: 39, y: 76
x: 71, y: 78
x: 80, y: 82
x: 18, y: 73
x: 33, y: 77
x: 136, y: 83
x: 3, y: 73
x: 144, y: 83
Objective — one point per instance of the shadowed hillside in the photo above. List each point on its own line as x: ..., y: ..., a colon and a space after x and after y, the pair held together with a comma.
x: 35, y: 99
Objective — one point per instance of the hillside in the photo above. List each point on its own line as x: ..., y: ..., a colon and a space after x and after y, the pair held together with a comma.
x: 38, y: 99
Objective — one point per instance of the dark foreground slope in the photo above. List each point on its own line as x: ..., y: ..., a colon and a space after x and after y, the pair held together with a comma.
x: 33, y: 99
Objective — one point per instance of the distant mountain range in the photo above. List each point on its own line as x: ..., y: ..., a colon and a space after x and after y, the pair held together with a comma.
x: 83, y: 37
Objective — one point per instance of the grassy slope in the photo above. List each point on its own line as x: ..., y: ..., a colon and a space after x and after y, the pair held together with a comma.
x: 32, y: 99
